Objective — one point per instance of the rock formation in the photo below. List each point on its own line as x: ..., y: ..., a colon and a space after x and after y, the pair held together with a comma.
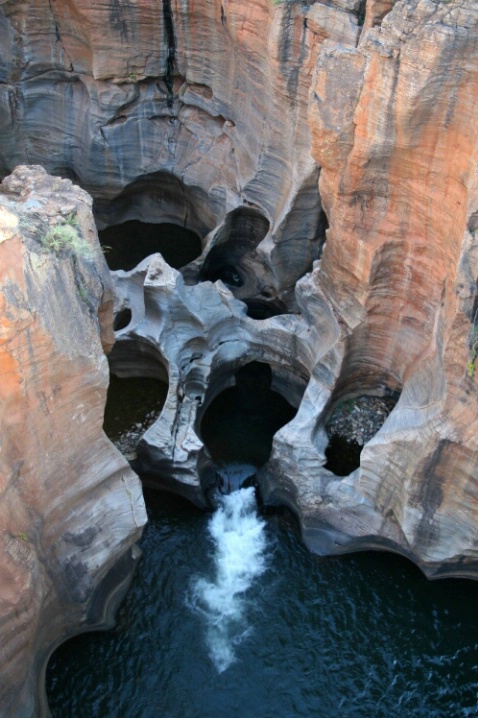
x: 326, y: 153
x: 70, y: 506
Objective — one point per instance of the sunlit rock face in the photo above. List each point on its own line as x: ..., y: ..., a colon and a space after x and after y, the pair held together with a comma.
x: 398, y: 149
x: 326, y: 155
x: 70, y: 506
x: 134, y: 100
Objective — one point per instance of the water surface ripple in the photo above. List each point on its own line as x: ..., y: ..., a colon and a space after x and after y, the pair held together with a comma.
x: 364, y: 636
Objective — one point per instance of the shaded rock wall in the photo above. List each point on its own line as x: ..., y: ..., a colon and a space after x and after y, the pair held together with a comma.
x: 70, y: 506
x: 228, y: 115
x: 214, y: 95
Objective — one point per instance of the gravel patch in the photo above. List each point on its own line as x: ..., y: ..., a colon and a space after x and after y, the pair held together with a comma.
x: 128, y: 441
x: 360, y: 418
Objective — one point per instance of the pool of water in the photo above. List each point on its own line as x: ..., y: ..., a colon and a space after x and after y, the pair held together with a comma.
x: 355, y: 636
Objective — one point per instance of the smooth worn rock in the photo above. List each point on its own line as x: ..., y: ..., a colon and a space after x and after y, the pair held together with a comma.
x: 330, y: 169
x: 197, y: 113
x: 70, y: 506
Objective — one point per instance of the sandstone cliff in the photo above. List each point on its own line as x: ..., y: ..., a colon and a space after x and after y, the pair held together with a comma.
x: 70, y: 506
x: 328, y: 152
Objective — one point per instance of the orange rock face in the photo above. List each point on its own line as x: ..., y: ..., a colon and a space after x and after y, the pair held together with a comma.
x: 70, y: 506
x: 399, y: 157
x: 333, y: 166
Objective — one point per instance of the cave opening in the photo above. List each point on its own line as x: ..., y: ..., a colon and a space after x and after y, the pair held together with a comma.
x: 133, y: 404
x: 262, y: 309
x: 122, y: 319
x: 136, y: 395
x: 352, y: 422
x: 156, y: 213
x: 239, y: 424
x: 125, y: 245
x: 242, y: 230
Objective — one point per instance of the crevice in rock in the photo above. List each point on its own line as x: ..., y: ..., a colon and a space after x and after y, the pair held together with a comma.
x: 171, y: 40
x: 322, y: 227
x: 58, y: 36
x: 362, y: 9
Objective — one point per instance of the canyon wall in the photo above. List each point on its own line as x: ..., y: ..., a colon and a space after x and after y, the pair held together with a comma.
x: 70, y: 506
x: 327, y: 152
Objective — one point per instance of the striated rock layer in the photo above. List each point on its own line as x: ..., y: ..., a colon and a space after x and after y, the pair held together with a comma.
x: 326, y: 153
x: 70, y: 506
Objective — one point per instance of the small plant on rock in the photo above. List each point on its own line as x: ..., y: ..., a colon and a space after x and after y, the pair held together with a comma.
x: 473, y: 345
x: 65, y: 238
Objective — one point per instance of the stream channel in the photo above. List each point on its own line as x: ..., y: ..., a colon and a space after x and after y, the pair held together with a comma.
x: 229, y: 616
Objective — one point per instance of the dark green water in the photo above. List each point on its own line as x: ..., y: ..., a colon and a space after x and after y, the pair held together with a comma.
x: 231, y: 617
x: 363, y: 635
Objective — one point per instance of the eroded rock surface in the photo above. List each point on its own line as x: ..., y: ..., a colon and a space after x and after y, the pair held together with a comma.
x: 330, y: 169
x: 70, y: 506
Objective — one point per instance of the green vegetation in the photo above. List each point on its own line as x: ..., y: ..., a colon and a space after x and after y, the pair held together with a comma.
x: 346, y: 406
x: 72, y: 219
x: 65, y: 237
x: 473, y: 345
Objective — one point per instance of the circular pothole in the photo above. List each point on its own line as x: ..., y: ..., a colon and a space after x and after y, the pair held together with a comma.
x: 132, y: 406
x: 353, y: 422
x: 239, y: 424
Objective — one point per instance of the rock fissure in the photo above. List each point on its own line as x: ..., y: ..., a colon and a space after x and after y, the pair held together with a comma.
x: 58, y: 35
x: 171, y: 44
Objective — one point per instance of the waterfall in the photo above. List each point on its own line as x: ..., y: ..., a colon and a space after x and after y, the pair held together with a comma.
x: 238, y: 535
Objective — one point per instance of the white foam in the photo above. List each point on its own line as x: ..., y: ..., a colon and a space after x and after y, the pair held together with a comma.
x: 239, y: 540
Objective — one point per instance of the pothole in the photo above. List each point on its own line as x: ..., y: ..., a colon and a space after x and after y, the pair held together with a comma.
x: 132, y: 406
x: 126, y: 245
x: 262, y: 309
x: 122, y: 319
x: 352, y: 424
x: 242, y: 230
x: 239, y: 424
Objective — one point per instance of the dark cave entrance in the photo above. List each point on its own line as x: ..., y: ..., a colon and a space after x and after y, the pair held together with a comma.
x: 239, y: 424
x: 262, y: 309
x: 132, y: 405
x: 353, y: 422
x: 122, y: 319
x: 127, y: 244
x: 136, y: 395
x: 243, y: 229
x: 155, y: 213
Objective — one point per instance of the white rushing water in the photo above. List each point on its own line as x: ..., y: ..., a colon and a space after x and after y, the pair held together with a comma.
x: 239, y: 558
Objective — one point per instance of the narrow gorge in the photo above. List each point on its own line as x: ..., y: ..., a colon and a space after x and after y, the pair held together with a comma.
x: 245, y: 208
